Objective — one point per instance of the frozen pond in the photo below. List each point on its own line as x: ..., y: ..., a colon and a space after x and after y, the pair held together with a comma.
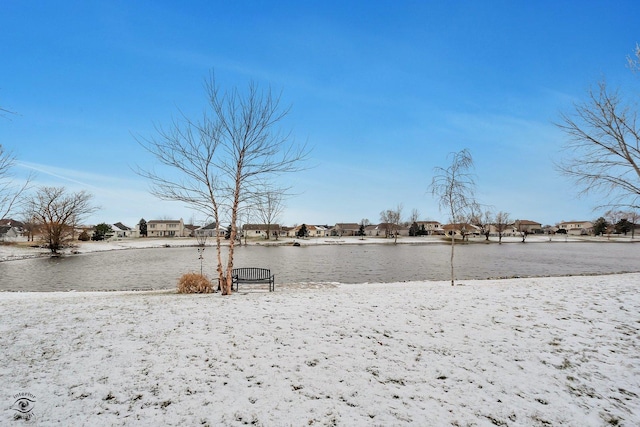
x: 159, y: 268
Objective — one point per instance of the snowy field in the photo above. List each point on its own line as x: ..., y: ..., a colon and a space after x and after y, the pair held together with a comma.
x: 520, y: 352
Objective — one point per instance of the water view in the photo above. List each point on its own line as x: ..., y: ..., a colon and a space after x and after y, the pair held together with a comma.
x: 159, y: 268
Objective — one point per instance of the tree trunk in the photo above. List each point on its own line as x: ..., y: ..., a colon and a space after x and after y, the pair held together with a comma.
x: 453, y: 240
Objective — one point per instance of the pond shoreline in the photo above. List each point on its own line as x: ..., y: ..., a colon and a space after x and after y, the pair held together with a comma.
x: 13, y: 251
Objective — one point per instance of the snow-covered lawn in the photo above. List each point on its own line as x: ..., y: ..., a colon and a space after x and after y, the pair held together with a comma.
x: 520, y: 352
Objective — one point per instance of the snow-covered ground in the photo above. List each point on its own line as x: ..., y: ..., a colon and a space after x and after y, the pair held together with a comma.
x: 520, y: 352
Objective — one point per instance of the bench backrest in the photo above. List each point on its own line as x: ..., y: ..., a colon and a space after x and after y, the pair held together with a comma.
x: 251, y: 273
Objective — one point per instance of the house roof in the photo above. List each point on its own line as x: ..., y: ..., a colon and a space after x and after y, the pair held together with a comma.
x: 210, y: 226
x: 527, y: 222
x: 575, y: 222
x: 121, y: 226
x: 261, y: 227
x: 11, y: 222
x: 347, y: 226
x: 460, y: 226
x: 164, y: 221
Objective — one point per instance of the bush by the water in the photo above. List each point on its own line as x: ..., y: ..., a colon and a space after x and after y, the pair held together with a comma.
x: 194, y: 283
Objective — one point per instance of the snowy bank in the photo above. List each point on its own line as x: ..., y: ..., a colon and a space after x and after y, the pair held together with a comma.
x: 520, y: 352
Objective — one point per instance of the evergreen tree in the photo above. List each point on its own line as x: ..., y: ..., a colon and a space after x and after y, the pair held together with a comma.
x: 414, y: 230
x: 623, y: 226
x: 302, y: 232
x: 102, y: 231
x: 600, y: 226
x: 143, y: 227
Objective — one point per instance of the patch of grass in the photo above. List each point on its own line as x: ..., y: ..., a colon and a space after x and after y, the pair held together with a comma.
x: 194, y: 283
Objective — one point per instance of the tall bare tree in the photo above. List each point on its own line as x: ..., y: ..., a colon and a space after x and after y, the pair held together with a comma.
x: 269, y: 205
x: 10, y: 192
x: 218, y: 162
x: 454, y: 187
x: 57, y: 212
x: 633, y: 216
x: 603, y: 149
x: 501, y: 223
x: 391, y: 219
x: 481, y: 219
x: 414, y: 216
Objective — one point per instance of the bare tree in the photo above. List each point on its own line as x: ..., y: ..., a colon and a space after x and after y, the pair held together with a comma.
x: 396, y: 220
x: 414, y: 216
x: 385, y: 220
x: 604, y: 147
x: 9, y: 191
x: 613, y: 217
x: 30, y: 226
x: 223, y: 158
x: 57, y: 212
x: 391, y: 219
x: 481, y: 219
x: 633, y: 216
x: 454, y: 187
x: 522, y: 229
x: 269, y: 206
x: 501, y: 223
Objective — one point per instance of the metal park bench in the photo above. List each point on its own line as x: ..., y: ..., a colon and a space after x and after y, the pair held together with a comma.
x: 253, y: 276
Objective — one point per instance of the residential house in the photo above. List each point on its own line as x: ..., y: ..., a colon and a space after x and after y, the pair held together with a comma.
x: 261, y: 230
x: 209, y: 230
x: 287, y: 231
x: 345, y: 229
x: 166, y: 228
x: 530, y: 227
x: 190, y: 229
x: 312, y: 230
x: 576, y: 227
x: 122, y: 231
x: 461, y: 229
x: 8, y: 232
x: 430, y: 227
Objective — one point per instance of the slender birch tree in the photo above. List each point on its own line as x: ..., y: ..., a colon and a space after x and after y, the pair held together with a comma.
x: 454, y: 187
x: 218, y: 163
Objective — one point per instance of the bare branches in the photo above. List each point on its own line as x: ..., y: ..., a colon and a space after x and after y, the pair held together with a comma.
x: 57, y: 212
x: 226, y: 159
x: 9, y: 192
x: 454, y: 187
x: 603, y: 149
x: 634, y: 63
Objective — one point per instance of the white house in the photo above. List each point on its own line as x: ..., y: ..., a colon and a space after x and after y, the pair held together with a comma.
x: 167, y: 228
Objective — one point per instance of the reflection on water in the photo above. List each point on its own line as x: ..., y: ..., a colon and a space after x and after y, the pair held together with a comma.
x: 160, y: 268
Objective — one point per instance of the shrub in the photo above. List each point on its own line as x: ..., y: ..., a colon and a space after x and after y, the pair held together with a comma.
x: 84, y: 236
x: 194, y: 283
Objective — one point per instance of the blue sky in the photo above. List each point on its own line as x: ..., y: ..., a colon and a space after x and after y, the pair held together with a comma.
x: 382, y: 91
